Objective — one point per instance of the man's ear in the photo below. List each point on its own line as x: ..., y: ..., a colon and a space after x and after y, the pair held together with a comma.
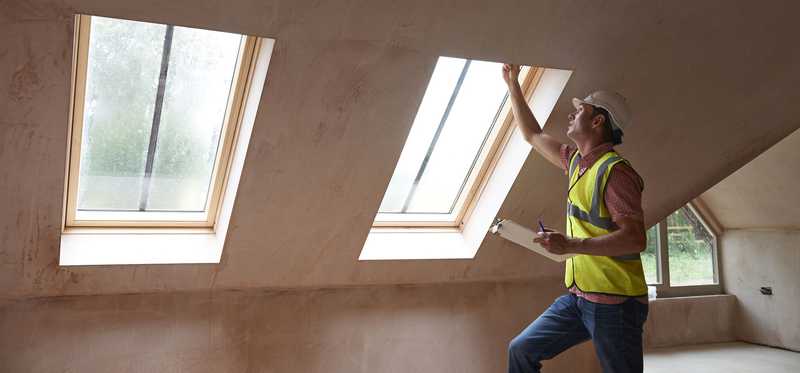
x: 598, y: 120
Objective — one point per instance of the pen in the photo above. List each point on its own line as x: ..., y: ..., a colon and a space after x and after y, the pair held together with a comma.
x: 541, y: 226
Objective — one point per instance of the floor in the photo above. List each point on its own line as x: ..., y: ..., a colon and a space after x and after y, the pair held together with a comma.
x: 730, y: 357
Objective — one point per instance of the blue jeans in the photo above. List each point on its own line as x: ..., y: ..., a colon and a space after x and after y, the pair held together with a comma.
x: 615, y: 329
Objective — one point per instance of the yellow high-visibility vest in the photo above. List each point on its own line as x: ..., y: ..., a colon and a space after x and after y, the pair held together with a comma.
x: 587, y: 216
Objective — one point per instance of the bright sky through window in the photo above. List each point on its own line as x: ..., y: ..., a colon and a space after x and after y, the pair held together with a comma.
x: 453, y: 125
x: 153, y: 119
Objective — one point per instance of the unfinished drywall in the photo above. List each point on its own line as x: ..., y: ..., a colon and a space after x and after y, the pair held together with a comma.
x: 342, y: 89
x: 763, y: 193
x: 435, y: 328
x: 420, y: 328
x: 752, y: 259
x: 758, y: 207
x: 690, y: 320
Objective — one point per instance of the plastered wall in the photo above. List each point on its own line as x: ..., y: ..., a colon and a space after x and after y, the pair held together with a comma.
x: 432, y: 328
x: 342, y: 91
x: 762, y: 194
x: 344, y: 83
x: 421, y: 328
x: 752, y: 259
x: 690, y: 320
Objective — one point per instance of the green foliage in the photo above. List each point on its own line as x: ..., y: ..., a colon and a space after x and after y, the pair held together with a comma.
x: 649, y: 256
x: 125, y: 59
x: 690, y: 248
x: 120, y: 95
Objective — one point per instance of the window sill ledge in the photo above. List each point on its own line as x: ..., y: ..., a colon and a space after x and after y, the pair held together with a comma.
x: 382, y: 245
x: 140, y: 248
x: 692, y: 298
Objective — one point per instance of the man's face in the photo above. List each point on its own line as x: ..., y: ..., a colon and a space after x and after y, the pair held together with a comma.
x: 580, y: 122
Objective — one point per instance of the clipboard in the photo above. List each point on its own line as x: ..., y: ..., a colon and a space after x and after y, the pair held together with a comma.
x: 523, y: 236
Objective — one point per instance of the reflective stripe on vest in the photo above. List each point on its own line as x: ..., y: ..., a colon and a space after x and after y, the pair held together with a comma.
x: 588, y: 216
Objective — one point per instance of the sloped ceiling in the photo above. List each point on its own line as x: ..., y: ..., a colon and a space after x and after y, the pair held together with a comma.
x: 762, y: 194
x: 712, y: 84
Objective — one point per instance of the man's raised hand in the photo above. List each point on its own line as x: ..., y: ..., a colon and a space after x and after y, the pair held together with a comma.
x: 511, y: 73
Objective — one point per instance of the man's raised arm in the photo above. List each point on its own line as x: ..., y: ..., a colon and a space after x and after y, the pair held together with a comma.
x: 545, y: 144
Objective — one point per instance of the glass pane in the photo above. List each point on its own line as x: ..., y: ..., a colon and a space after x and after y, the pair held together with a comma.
x: 691, y: 248
x: 124, y: 66
x: 442, y: 179
x: 201, y: 70
x: 121, y: 82
x: 650, y: 256
x: 437, y: 95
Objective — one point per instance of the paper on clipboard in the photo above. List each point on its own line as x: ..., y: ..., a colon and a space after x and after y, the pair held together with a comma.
x: 523, y: 236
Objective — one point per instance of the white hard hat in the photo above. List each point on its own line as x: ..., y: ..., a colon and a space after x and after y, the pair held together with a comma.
x: 614, y: 103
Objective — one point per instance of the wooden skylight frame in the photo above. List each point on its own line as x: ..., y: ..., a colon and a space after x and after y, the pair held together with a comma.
x: 243, y: 75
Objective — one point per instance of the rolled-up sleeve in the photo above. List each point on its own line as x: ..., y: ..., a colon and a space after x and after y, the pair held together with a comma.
x: 566, y: 154
x: 623, y: 194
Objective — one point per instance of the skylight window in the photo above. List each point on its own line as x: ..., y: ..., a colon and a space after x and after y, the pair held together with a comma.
x: 461, y: 158
x: 461, y: 122
x: 155, y: 110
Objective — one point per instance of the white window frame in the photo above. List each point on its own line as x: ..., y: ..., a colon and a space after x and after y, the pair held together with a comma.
x: 663, y: 287
x: 130, y: 219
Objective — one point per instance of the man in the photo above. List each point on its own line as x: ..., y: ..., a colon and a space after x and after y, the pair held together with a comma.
x: 607, y: 295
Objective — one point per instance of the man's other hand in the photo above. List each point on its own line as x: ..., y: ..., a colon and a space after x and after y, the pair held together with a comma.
x: 556, y: 242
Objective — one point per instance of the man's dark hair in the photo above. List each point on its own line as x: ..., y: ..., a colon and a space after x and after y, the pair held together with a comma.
x: 610, y: 134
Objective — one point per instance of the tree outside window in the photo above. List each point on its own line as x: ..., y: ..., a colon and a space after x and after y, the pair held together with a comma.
x: 687, y: 245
